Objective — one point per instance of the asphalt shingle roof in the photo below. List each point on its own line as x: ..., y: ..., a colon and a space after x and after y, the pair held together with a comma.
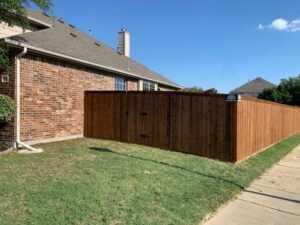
x: 254, y: 86
x: 65, y: 39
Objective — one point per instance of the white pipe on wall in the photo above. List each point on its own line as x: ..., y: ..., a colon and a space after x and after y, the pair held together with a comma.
x: 18, y: 86
x: 18, y: 100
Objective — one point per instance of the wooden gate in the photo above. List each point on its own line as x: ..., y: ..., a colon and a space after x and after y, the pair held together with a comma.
x: 200, y: 124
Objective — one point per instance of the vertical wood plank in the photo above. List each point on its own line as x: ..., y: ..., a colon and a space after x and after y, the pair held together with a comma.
x: 199, y: 124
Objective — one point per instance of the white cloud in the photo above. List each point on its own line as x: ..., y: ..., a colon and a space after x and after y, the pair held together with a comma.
x: 282, y: 25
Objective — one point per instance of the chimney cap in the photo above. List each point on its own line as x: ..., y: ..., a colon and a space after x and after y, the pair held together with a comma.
x: 123, y: 30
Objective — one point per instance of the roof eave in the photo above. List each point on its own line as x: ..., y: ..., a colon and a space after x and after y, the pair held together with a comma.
x: 39, y: 22
x: 98, y: 66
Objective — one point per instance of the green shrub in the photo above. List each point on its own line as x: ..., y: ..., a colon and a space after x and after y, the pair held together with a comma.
x: 4, y: 58
x: 7, y: 109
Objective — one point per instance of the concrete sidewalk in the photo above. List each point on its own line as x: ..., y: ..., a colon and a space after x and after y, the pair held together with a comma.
x: 273, y: 199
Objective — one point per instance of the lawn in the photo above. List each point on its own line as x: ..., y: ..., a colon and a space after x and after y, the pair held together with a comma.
x: 87, y: 181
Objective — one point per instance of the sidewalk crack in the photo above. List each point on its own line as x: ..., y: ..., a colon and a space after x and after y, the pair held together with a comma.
x: 279, y: 210
x: 293, y: 167
x: 278, y: 176
x: 278, y: 189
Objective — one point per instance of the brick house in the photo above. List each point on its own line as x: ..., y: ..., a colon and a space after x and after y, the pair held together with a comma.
x: 53, y: 63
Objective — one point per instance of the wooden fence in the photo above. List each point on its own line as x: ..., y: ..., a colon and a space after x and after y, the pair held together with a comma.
x: 263, y: 123
x: 200, y: 124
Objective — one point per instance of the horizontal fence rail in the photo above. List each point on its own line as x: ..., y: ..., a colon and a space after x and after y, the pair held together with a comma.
x: 194, y: 123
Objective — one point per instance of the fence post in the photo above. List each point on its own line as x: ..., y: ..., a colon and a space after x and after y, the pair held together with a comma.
x: 233, y: 101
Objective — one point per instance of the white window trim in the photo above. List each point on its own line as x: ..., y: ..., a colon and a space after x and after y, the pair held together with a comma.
x: 141, y: 84
x: 125, y: 83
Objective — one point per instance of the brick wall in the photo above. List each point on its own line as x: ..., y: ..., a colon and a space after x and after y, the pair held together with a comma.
x: 165, y: 88
x: 7, y: 130
x: 132, y: 85
x: 52, y: 95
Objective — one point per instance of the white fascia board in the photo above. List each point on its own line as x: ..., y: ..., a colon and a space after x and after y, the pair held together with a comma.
x: 70, y: 58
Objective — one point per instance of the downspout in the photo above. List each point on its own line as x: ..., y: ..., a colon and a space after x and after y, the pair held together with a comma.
x: 18, y: 143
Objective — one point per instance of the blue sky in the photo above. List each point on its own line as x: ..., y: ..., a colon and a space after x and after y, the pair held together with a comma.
x: 206, y: 43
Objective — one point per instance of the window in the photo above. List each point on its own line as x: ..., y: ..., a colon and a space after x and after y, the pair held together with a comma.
x: 148, y: 86
x: 120, y: 84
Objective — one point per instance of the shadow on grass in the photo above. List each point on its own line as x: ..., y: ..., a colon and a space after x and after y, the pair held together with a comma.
x: 105, y: 150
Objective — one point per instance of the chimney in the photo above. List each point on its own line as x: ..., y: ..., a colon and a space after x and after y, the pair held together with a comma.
x: 124, y: 42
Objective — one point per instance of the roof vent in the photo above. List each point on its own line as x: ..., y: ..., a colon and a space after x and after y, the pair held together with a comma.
x: 45, y: 14
x: 61, y: 20
x: 97, y: 44
x: 71, y: 25
x: 73, y: 35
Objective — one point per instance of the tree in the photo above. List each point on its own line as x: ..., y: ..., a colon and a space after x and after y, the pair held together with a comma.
x: 287, y: 92
x: 7, y: 109
x: 211, y: 90
x: 193, y: 89
x: 200, y: 90
x: 14, y: 12
x: 4, y: 59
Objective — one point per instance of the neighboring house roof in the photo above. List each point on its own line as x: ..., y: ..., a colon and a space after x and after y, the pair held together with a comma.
x: 65, y: 41
x: 254, y: 86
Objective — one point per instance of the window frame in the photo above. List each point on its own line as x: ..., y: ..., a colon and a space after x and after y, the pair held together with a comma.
x: 120, y: 84
x: 148, y: 86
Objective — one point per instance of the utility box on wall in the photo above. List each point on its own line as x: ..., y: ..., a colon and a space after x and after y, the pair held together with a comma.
x: 4, y: 78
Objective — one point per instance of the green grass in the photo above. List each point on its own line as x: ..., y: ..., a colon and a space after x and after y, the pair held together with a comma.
x: 88, y: 181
